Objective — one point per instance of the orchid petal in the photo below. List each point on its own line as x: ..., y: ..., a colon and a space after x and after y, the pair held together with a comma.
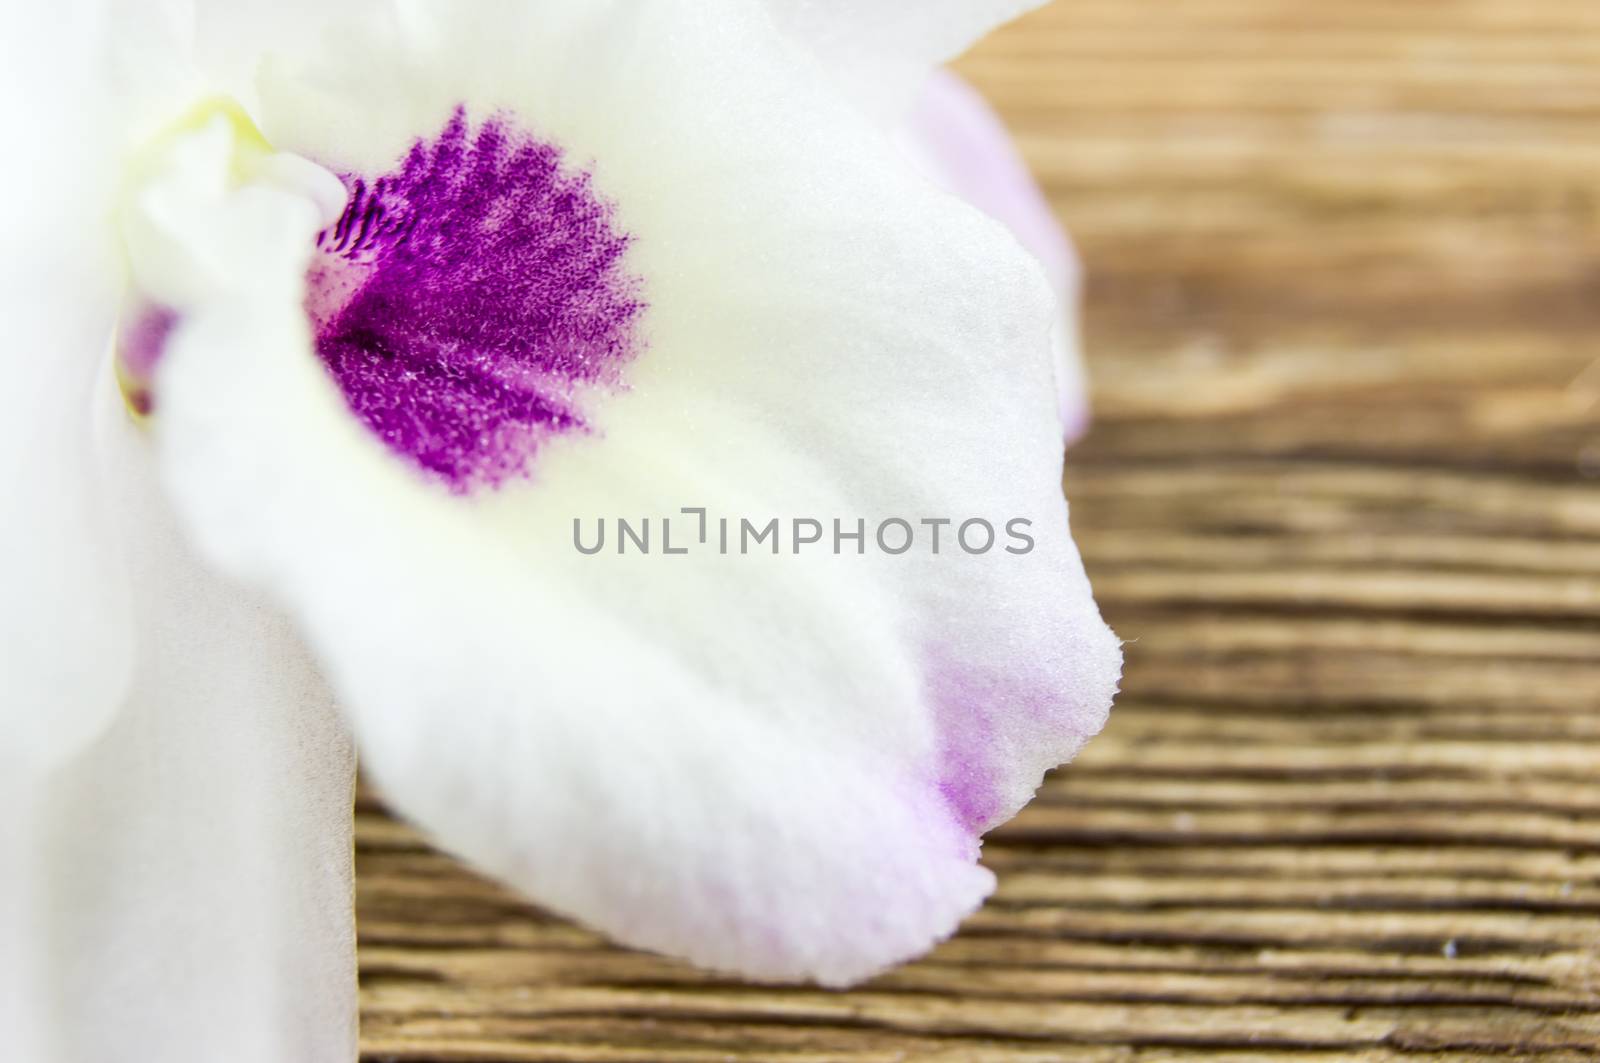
x: 111, y: 66
x: 63, y: 616
x: 881, y: 52
x: 232, y: 38
x: 190, y: 870
x: 778, y: 765
x: 956, y: 137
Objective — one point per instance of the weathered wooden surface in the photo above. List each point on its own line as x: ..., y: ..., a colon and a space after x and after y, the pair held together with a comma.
x: 1345, y: 323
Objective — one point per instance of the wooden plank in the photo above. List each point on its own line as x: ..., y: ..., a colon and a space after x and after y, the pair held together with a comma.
x: 1344, y: 313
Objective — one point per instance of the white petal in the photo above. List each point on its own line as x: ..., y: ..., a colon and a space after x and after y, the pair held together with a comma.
x: 78, y: 79
x: 174, y: 866
x: 64, y: 649
x: 777, y: 765
x: 881, y: 51
x: 188, y: 876
x: 232, y: 38
x: 955, y: 137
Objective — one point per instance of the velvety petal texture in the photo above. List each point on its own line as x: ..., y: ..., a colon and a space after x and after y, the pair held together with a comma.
x: 956, y: 137
x: 771, y: 763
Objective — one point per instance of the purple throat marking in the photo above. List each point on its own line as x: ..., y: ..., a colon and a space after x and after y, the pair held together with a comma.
x: 467, y: 301
x: 141, y: 339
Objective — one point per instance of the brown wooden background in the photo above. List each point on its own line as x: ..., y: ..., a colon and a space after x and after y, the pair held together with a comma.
x: 1345, y: 329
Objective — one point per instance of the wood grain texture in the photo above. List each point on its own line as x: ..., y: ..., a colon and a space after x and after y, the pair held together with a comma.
x: 1344, y: 319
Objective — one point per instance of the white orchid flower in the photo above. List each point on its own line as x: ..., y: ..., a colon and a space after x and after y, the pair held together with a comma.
x: 329, y: 335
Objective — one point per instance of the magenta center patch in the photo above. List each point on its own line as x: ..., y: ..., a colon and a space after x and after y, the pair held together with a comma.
x: 468, y: 300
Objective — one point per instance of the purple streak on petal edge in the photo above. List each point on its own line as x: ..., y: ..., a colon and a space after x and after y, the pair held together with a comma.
x: 967, y: 734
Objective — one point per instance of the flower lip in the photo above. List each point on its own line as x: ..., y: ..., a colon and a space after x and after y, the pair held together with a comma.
x: 469, y: 300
